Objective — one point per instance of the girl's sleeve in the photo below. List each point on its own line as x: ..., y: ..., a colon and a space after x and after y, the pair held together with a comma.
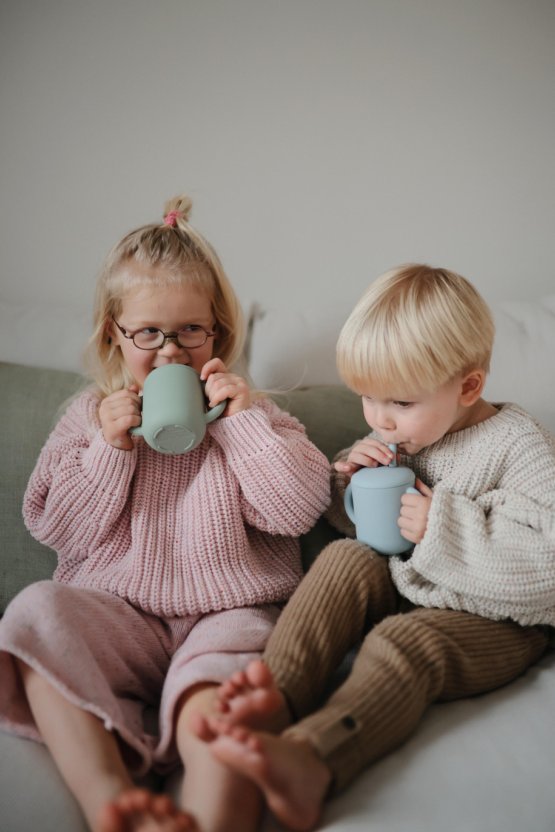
x: 283, y: 477
x: 80, y: 484
x: 500, y: 546
x: 336, y: 514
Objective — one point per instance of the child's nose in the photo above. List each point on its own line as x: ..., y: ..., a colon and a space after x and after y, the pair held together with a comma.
x: 384, y: 420
x: 171, y: 347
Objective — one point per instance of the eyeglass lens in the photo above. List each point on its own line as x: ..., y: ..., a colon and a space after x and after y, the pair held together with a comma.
x: 151, y: 339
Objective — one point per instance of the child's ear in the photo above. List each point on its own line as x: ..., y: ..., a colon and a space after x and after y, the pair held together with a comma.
x: 472, y: 387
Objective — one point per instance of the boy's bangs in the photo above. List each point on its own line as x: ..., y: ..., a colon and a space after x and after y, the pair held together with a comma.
x: 378, y: 374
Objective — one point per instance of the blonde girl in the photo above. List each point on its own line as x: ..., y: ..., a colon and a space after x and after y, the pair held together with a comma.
x: 171, y: 569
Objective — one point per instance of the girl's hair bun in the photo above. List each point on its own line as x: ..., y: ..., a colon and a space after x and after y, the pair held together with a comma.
x: 178, y: 207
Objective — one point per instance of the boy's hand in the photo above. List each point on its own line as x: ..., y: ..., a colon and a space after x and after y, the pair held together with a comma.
x: 414, y: 513
x: 117, y: 413
x: 368, y: 453
x: 221, y: 384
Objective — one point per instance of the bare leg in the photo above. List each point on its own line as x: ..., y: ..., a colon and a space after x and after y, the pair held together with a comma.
x: 90, y: 762
x: 293, y: 779
x: 212, y: 791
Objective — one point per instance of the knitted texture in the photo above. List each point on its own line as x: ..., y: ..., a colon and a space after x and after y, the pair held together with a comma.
x: 175, y: 535
x: 489, y: 546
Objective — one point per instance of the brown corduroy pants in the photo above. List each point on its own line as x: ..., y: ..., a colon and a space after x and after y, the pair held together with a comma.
x: 406, y: 660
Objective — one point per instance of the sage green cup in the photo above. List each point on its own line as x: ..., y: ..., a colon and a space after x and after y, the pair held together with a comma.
x: 174, y: 415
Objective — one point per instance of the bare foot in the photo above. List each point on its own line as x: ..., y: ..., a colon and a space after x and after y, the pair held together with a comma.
x: 138, y: 810
x: 252, y: 698
x: 292, y: 777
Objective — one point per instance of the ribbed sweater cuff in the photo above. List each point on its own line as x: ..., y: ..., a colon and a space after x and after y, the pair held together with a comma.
x: 247, y: 433
x: 108, y: 467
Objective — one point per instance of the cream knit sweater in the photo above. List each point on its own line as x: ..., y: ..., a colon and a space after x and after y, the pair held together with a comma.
x: 489, y: 546
x: 207, y: 530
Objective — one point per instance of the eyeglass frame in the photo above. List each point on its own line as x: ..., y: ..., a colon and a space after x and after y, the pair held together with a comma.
x: 168, y: 336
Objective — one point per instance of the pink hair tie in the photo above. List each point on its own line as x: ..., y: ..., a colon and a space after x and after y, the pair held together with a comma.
x: 171, y: 218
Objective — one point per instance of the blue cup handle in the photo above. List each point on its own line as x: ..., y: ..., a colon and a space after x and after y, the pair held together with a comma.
x: 349, y: 505
x: 411, y: 490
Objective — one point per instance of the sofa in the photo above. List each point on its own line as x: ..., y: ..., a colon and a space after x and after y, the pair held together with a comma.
x: 479, y: 765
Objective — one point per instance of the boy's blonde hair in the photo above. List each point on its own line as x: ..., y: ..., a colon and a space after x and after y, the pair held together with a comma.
x: 414, y: 329
x: 171, y: 253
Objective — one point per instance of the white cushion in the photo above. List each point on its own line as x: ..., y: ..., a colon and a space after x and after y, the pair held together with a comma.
x: 291, y: 348
x: 523, y: 361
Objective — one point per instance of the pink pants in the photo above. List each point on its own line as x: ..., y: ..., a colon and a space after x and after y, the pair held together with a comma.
x: 114, y: 660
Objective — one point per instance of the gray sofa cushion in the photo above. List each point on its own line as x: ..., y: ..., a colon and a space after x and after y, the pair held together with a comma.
x: 31, y: 400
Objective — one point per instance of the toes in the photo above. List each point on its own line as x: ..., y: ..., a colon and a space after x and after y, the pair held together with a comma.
x: 228, y: 690
x: 218, y: 726
x: 244, y: 737
x: 239, y: 733
x: 253, y: 743
x: 258, y: 674
x: 133, y: 800
x: 162, y: 806
x: 139, y: 806
x: 109, y: 819
x: 238, y: 679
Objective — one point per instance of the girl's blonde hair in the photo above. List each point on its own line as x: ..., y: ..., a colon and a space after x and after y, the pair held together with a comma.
x: 171, y: 253
x: 414, y: 329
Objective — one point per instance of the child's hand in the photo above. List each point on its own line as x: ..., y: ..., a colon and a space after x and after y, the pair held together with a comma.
x: 221, y: 384
x: 368, y: 453
x: 118, y: 412
x: 414, y: 512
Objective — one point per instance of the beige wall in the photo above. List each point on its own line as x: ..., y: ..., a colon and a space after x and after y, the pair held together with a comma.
x: 321, y: 141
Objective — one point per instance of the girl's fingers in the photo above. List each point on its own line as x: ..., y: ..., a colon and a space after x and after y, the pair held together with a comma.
x: 215, y: 365
x: 222, y: 386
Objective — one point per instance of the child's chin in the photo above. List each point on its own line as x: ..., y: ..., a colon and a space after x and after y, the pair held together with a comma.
x: 409, y: 449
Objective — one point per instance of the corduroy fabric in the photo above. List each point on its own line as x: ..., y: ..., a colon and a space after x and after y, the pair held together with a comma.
x: 407, y: 660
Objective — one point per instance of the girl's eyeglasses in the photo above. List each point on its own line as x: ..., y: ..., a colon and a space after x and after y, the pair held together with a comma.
x: 150, y: 338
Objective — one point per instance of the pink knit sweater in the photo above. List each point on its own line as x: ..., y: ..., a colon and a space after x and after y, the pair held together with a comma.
x: 208, y: 530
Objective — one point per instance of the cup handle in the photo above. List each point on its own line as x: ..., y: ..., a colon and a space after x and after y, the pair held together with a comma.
x: 138, y: 431
x: 215, y: 411
x: 349, y: 505
x: 411, y: 490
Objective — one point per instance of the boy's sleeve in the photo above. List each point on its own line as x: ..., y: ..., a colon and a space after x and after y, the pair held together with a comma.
x: 501, y: 546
